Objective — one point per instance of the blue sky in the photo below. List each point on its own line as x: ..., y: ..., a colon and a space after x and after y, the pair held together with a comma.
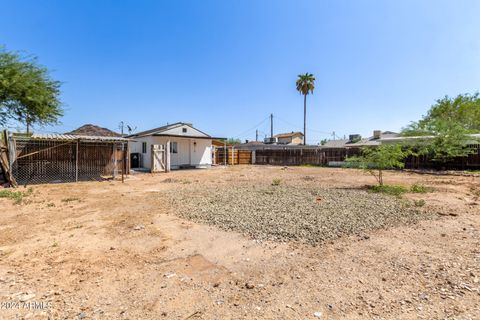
x: 226, y: 65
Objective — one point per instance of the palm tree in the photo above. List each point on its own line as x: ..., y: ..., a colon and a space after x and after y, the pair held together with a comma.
x: 305, y: 85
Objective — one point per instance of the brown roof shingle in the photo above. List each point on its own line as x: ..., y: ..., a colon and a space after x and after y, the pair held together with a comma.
x: 93, y: 130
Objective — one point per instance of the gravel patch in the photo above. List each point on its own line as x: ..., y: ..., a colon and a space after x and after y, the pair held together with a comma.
x: 287, y: 212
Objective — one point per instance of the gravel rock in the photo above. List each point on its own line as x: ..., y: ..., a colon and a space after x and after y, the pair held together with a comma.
x: 249, y: 285
x: 288, y: 212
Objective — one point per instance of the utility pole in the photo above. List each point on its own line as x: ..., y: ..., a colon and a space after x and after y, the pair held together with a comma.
x: 333, y: 135
x: 121, y: 125
x: 256, y: 135
x: 271, y: 125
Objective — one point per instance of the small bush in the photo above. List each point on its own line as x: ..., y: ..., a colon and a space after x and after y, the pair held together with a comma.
x: 420, y: 188
x: 71, y: 199
x: 276, y: 182
x: 419, y: 203
x: 17, y: 196
x: 391, y: 190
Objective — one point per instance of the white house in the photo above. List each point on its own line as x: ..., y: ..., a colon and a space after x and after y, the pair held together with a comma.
x: 189, y: 147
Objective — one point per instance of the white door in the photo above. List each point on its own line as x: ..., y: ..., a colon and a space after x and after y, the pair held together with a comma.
x: 179, y: 153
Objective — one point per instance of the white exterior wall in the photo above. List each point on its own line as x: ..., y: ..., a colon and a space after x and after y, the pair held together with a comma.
x: 190, y: 131
x: 136, y: 146
x: 189, y: 153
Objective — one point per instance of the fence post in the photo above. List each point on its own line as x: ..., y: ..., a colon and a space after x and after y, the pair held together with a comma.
x: 233, y: 154
x: 225, y: 153
x: 124, y: 162
x: 76, y: 162
x: 167, y: 156
x: 114, y: 161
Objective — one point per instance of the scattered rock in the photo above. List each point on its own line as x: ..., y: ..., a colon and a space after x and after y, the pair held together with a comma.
x: 26, y: 297
x: 139, y: 227
x: 170, y: 275
x: 249, y: 285
x: 317, y: 314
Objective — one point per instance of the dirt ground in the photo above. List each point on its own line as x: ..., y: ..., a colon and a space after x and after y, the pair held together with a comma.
x: 107, y: 250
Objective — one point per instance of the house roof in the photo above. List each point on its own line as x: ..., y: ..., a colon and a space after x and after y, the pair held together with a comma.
x: 371, y: 141
x: 67, y: 137
x: 335, y: 143
x: 93, y: 130
x: 162, y: 129
x: 288, y: 134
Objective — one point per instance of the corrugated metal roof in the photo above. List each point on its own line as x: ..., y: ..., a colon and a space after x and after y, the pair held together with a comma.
x: 68, y: 137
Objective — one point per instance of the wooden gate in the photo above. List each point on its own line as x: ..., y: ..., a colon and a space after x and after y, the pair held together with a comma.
x: 158, y: 158
x: 232, y: 156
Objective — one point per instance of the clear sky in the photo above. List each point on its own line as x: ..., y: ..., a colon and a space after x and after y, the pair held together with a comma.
x: 225, y: 65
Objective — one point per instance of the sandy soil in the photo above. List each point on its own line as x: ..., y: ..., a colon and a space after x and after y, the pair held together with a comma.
x: 107, y: 250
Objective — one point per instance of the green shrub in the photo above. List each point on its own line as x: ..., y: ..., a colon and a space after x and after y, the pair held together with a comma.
x: 17, y: 196
x: 276, y: 182
x: 419, y: 203
x: 71, y: 199
x: 419, y: 188
x: 388, y: 189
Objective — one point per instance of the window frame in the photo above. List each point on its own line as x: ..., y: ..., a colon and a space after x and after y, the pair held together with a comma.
x: 172, y: 148
x: 144, y: 147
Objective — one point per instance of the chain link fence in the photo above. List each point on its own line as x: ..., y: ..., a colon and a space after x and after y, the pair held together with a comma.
x: 47, y: 161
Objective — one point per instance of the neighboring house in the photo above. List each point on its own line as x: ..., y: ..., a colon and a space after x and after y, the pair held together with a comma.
x: 293, y: 138
x: 93, y: 130
x: 356, y: 141
x: 189, y: 147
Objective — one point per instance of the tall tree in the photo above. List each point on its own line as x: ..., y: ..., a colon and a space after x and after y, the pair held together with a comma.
x: 305, y: 85
x: 464, y: 110
x: 448, y: 124
x: 27, y: 92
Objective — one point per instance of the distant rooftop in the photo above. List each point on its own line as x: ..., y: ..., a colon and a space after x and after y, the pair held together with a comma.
x: 371, y: 141
x: 288, y: 134
x: 93, y: 130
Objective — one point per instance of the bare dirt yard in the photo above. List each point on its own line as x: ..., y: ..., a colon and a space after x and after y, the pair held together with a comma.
x: 243, y: 242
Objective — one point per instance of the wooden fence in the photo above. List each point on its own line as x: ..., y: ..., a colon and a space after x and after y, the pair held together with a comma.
x: 325, y: 156
x: 230, y: 155
x: 299, y: 156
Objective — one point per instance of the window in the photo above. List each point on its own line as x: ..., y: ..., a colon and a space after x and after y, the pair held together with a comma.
x: 184, y: 130
x: 144, y: 147
x: 173, y: 147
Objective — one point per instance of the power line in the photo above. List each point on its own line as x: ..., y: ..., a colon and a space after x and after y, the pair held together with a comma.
x: 253, y: 128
